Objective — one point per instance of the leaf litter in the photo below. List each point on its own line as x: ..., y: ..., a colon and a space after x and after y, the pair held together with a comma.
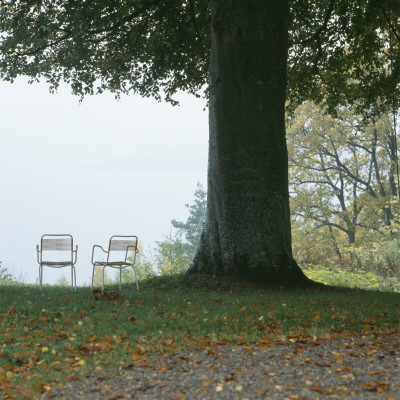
x: 55, y: 338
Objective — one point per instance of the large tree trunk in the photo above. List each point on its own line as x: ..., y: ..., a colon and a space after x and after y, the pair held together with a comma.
x: 247, y: 231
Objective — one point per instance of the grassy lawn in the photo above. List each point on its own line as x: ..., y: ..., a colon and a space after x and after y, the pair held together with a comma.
x: 52, y: 335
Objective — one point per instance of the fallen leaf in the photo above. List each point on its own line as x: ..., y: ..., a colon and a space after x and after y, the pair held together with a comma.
x: 136, y: 357
x: 316, y: 388
x: 219, y: 388
x: 125, y: 304
x: 382, y: 389
x: 91, y: 338
x: 44, y: 386
x: 140, y: 350
x: 230, y: 378
x: 323, y: 364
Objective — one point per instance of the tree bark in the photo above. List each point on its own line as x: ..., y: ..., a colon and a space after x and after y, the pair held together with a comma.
x: 247, y: 232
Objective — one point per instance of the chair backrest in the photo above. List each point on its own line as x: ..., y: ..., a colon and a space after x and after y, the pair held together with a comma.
x: 57, y: 247
x: 57, y: 242
x: 123, y: 244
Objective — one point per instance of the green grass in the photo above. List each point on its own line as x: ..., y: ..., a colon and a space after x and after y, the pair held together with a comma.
x: 352, y: 279
x: 56, y: 334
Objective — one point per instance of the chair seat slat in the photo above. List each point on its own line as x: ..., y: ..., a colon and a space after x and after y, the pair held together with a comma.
x: 57, y: 263
x: 113, y: 263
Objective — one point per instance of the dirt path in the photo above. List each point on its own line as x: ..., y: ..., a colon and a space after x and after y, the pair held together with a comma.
x: 353, y: 367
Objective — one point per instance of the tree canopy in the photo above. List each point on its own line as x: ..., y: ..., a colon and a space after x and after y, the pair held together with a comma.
x: 339, y: 50
x: 345, y: 51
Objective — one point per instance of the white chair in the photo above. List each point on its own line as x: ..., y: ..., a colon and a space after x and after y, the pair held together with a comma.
x: 63, y: 244
x: 118, y: 256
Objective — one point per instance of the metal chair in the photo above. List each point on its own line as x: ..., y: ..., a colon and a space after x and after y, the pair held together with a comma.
x: 62, y: 244
x: 117, y: 256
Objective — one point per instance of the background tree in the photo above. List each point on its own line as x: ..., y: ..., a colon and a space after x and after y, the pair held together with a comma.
x: 143, y: 265
x: 338, y: 51
x: 342, y: 175
x: 171, y: 255
x: 63, y: 281
x: 98, y: 277
x: 192, y: 229
x: 176, y: 252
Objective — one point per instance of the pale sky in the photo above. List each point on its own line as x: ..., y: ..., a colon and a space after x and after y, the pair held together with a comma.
x: 93, y: 169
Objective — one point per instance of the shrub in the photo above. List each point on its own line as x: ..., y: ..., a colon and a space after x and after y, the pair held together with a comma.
x: 5, y: 275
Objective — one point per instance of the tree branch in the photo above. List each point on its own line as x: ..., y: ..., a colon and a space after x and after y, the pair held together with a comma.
x: 124, y: 20
x: 318, y: 32
x: 388, y: 20
x: 326, y: 223
x: 40, y: 48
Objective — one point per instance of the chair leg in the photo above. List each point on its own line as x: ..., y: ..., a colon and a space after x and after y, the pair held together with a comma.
x: 40, y: 276
x: 136, y: 280
x: 102, y: 286
x: 120, y: 273
x: 93, y: 275
x: 72, y: 277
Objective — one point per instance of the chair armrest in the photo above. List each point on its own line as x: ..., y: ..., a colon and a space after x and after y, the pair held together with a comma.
x: 76, y: 255
x: 98, y: 247
x: 37, y: 253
